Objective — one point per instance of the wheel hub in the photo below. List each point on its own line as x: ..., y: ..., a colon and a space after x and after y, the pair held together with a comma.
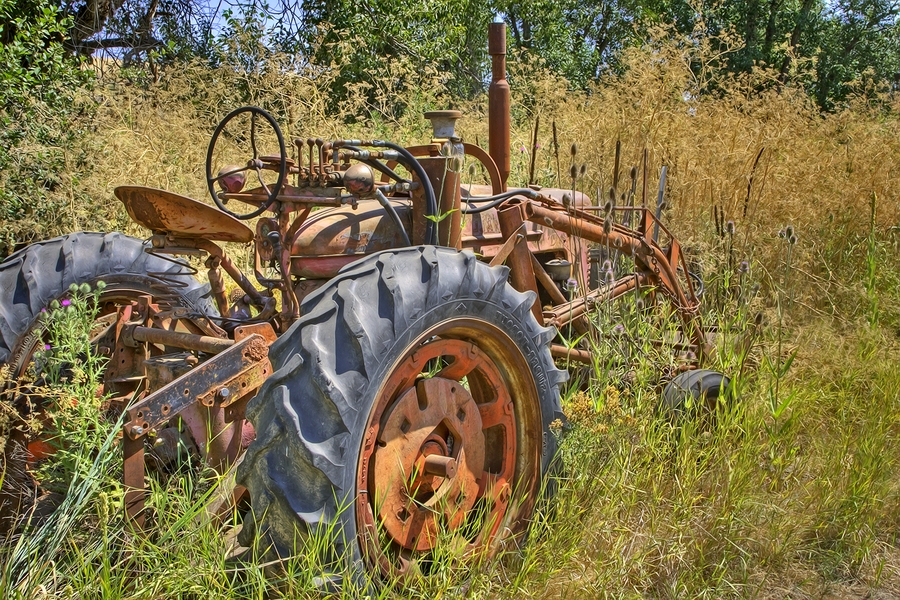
x: 441, y: 452
x: 430, y: 459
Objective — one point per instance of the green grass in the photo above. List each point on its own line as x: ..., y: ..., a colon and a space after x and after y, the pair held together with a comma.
x: 763, y: 503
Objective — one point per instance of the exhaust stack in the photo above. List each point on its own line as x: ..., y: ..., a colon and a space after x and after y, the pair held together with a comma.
x: 498, y: 101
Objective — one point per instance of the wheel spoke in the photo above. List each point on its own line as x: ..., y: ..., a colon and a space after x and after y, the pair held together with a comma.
x: 494, y: 487
x: 103, y: 327
x: 497, y: 412
x: 224, y: 175
x: 462, y: 364
x: 262, y: 183
x: 456, y: 370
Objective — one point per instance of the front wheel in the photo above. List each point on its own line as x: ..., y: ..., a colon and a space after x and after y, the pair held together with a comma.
x: 698, y: 392
x: 413, y: 402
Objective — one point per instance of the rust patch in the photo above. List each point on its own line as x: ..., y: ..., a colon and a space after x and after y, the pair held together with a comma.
x: 257, y: 349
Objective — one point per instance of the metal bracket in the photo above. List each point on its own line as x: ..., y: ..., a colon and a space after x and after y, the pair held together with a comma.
x: 240, y: 369
x: 508, y: 246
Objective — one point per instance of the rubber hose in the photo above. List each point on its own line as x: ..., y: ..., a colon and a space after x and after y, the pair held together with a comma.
x: 431, y: 207
x: 494, y: 201
x: 382, y: 199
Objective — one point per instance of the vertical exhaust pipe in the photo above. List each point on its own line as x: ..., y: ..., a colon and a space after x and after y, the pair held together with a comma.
x: 498, y: 101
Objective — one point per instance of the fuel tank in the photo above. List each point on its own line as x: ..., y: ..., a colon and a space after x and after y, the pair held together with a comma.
x: 334, y: 237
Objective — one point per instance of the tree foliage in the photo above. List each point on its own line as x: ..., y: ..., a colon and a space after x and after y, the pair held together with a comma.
x: 832, y: 47
x: 579, y: 40
x: 38, y: 80
x: 34, y: 65
x: 366, y: 36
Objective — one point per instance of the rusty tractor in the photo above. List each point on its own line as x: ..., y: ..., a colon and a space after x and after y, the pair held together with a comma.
x: 390, y: 369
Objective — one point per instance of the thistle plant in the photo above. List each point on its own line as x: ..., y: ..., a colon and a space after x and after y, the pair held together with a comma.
x: 73, y: 377
x: 67, y: 391
x: 779, y: 365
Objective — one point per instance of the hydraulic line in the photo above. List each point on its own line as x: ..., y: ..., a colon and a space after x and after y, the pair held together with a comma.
x: 494, y: 201
x: 409, y: 161
x: 389, y: 208
x: 430, y: 199
x: 378, y: 165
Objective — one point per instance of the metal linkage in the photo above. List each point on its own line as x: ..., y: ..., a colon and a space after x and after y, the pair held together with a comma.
x: 655, y: 266
x: 217, y: 385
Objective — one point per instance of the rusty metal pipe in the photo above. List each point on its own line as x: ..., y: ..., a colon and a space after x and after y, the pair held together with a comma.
x: 645, y: 252
x: 557, y: 351
x: 588, y: 227
x: 446, y: 185
x: 217, y: 284
x: 564, y: 313
x: 290, y: 306
x: 179, y: 339
x: 498, y: 101
x: 268, y: 303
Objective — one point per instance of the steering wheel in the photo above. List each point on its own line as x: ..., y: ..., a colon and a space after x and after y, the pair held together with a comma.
x: 255, y: 164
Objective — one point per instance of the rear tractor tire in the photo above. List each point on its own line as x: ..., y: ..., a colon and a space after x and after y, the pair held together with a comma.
x: 411, y: 403
x: 37, y: 275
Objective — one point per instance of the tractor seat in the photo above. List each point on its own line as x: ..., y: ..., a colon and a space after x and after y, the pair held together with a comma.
x: 159, y: 210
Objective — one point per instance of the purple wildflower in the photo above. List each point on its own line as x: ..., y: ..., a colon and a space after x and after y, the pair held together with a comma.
x: 47, y: 346
x: 618, y: 329
x: 521, y: 148
x: 66, y: 302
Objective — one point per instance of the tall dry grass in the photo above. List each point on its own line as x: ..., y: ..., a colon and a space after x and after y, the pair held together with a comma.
x: 761, y: 154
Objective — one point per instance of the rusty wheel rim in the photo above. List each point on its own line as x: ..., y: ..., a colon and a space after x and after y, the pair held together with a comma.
x: 452, y: 448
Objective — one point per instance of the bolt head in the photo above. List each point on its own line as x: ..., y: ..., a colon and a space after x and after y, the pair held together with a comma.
x: 137, y: 430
